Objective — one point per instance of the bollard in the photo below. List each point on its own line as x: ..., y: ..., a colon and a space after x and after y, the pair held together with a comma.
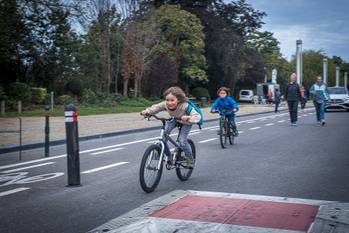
x: 47, y: 132
x: 3, y: 107
x: 72, y: 140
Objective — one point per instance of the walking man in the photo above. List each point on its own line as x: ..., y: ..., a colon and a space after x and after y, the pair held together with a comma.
x: 293, y: 95
x: 277, y: 100
x: 320, y: 95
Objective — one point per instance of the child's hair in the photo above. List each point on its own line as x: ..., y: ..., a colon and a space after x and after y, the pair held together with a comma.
x: 178, y: 92
x: 226, y: 89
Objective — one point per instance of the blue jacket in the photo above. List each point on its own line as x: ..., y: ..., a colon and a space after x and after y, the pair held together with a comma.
x: 320, y: 92
x: 226, y: 104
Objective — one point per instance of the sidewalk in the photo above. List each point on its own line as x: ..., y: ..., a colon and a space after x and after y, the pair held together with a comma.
x: 33, y: 127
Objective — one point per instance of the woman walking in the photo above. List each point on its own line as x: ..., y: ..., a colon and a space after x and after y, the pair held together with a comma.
x: 293, y: 95
x: 320, y: 95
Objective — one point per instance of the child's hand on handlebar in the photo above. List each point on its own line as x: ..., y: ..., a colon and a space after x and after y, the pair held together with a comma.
x: 235, y: 110
x: 145, y: 113
x: 213, y: 111
x: 185, y: 118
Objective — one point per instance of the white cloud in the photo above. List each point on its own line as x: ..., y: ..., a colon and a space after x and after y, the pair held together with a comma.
x: 314, y: 38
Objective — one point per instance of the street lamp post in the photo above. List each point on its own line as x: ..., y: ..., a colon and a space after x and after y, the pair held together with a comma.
x: 337, y: 76
x: 325, y: 66
x: 299, y: 61
x: 346, y: 79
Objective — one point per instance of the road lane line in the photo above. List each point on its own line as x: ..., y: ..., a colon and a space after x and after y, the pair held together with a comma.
x: 269, y: 124
x: 194, y: 133
x: 240, y: 132
x: 250, y: 122
x: 281, y: 121
x: 33, y: 161
x: 215, y: 128
x: 254, y: 128
x: 104, y: 167
x: 25, y: 168
x: 12, y: 191
x: 107, y: 151
x: 207, y: 140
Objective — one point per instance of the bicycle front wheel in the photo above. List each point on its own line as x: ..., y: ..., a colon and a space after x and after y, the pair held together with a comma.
x: 149, y: 173
x: 231, y: 136
x: 223, y: 134
x: 182, y: 170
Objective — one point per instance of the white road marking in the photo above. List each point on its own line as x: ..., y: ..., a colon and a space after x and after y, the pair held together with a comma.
x: 12, y: 191
x: 25, y: 168
x: 208, y: 140
x: 194, y: 133
x: 281, y: 121
x: 241, y: 132
x: 33, y: 161
x: 250, y: 122
x: 104, y: 167
x: 254, y: 128
x: 214, y: 128
x: 107, y: 151
x: 269, y: 124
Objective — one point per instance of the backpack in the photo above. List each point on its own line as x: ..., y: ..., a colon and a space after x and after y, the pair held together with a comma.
x: 191, y: 106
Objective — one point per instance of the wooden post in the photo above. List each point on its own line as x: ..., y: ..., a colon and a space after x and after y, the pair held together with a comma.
x: 3, y: 107
x: 19, y: 107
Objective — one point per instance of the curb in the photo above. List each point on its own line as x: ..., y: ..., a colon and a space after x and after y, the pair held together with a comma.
x: 104, y: 135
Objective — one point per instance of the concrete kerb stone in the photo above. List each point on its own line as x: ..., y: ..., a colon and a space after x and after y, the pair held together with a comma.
x: 105, y: 135
x: 331, y: 217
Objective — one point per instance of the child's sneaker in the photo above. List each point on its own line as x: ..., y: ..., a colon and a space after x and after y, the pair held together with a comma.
x: 190, y: 163
x: 323, y: 122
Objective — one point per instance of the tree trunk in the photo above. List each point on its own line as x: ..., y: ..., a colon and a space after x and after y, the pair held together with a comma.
x: 125, y: 87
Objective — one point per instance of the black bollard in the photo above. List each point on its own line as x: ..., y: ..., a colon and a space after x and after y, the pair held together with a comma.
x: 47, y: 132
x: 72, y: 137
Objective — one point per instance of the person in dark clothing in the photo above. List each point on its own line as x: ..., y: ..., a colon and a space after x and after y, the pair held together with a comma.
x: 293, y: 95
x: 277, y: 100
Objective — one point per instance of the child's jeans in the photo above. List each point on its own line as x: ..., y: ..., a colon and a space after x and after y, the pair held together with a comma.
x: 231, y: 121
x: 182, y: 138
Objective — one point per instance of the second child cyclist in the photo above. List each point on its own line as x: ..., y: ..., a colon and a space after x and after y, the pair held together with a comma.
x: 226, y: 106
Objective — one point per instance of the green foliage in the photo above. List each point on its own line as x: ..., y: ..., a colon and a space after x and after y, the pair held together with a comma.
x: 74, y: 86
x: 38, y: 95
x: 182, y: 41
x: 2, y: 93
x: 135, y: 102
x: 20, y: 91
x: 88, y: 96
x: 65, y: 99
x: 199, y: 92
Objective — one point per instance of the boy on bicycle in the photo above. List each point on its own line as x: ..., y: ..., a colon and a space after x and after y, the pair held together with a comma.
x: 176, y: 104
x: 227, y: 107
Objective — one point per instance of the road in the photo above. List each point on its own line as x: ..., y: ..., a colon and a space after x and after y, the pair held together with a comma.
x: 270, y: 157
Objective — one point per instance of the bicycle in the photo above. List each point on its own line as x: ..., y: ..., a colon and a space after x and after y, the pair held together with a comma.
x: 226, y: 132
x: 154, y: 157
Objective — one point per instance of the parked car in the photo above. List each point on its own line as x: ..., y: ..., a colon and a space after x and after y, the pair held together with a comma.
x: 339, y: 98
x: 246, y: 95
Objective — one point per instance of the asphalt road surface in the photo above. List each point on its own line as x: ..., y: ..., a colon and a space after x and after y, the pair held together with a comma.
x: 270, y: 157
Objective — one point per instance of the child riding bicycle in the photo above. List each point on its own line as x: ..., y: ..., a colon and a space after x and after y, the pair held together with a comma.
x: 176, y: 104
x: 226, y: 106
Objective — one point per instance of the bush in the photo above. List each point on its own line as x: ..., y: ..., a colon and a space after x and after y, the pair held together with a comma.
x: 65, y: 99
x: 38, y: 95
x: 88, y: 96
x: 11, y: 104
x: 20, y: 91
x: 199, y: 92
x: 74, y: 86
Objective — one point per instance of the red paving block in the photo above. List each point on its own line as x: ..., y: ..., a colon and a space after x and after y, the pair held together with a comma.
x: 245, y: 212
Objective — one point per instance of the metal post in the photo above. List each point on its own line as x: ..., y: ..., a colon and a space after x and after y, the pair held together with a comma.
x: 20, y: 138
x: 346, y: 79
x: 337, y: 76
x: 325, y: 68
x: 52, y: 100
x: 47, y: 132
x: 299, y: 61
x: 72, y: 140
x: 19, y: 106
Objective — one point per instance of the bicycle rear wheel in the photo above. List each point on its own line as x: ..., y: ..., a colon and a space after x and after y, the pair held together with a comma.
x: 223, y: 134
x: 149, y: 174
x: 183, y: 172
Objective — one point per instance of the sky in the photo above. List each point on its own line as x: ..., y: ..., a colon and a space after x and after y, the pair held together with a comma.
x: 320, y: 24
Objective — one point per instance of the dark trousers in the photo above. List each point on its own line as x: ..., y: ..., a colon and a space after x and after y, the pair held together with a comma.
x: 293, y: 108
x: 277, y: 103
x: 320, y: 110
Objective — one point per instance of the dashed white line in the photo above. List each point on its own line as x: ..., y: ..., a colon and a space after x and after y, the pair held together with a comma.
x: 208, y: 140
x: 194, y: 133
x: 281, y: 121
x: 269, y: 124
x: 254, y: 128
x: 33, y: 161
x: 12, y: 191
x: 104, y: 167
x: 240, y: 132
x: 250, y: 122
x: 106, y: 151
x: 25, y: 168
